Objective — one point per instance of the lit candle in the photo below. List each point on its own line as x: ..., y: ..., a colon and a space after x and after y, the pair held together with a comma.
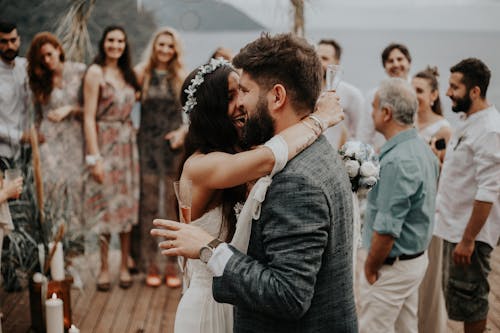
x: 73, y: 329
x: 57, y: 263
x: 54, y: 318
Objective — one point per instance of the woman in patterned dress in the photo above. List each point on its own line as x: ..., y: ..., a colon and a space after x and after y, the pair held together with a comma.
x: 112, y: 187
x: 55, y: 84
x: 431, y: 125
x: 160, y: 136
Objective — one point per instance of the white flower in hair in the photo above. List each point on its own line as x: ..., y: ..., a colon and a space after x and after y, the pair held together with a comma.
x: 199, y: 79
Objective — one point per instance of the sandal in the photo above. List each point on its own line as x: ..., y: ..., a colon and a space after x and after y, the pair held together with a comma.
x: 103, y: 283
x: 153, y: 279
x: 125, y: 280
x: 172, y: 279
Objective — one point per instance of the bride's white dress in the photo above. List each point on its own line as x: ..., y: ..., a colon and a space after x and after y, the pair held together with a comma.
x: 197, y: 310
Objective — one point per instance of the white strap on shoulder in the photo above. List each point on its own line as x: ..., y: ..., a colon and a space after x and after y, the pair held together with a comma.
x: 280, y: 151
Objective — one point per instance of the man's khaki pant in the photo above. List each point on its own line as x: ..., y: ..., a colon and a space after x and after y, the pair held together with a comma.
x: 390, y: 304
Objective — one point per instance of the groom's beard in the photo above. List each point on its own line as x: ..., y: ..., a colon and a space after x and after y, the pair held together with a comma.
x: 462, y: 104
x: 258, y: 128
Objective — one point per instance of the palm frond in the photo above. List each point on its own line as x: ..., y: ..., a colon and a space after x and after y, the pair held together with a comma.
x: 73, y: 32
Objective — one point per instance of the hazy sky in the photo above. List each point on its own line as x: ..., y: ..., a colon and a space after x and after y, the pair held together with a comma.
x: 382, y: 14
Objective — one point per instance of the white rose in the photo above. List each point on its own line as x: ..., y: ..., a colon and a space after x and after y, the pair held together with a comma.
x: 367, y: 182
x: 352, y: 148
x: 368, y: 169
x: 352, y: 167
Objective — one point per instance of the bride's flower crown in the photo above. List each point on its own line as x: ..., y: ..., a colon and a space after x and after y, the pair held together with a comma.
x: 198, y: 80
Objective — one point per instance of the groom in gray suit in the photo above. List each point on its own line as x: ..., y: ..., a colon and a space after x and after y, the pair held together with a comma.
x: 297, y: 275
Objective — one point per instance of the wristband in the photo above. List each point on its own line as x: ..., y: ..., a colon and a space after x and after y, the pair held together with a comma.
x: 92, y: 160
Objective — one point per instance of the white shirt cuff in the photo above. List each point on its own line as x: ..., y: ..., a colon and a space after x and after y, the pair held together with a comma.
x: 486, y: 195
x: 217, y: 263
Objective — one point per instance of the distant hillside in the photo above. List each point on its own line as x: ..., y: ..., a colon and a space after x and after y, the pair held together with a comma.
x: 200, y: 15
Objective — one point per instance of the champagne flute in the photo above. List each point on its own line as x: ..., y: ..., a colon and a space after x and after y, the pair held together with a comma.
x: 11, y: 175
x: 333, y: 76
x: 183, y: 191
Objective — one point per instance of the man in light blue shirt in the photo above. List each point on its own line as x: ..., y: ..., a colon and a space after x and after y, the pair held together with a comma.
x: 399, y: 217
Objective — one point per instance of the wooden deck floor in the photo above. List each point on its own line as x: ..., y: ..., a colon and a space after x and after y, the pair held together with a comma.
x: 143, y: 310
x: 139, y: 309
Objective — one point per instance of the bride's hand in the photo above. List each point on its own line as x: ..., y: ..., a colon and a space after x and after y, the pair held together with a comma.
x: 328, y: 108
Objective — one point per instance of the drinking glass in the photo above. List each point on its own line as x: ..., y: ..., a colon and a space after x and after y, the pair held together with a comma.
x: 333, y: 76
x: 183, y: 191
x: 11, y: 175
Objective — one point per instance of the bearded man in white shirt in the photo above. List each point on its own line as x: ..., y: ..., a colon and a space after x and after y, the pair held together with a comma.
x: 468, y: 200
x: 13, y: 95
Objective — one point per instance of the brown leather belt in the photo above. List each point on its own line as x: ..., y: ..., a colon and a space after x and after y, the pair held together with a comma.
x: 390, y: 261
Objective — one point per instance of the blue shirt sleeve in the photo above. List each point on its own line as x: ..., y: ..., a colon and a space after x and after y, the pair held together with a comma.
x: 396, y: 186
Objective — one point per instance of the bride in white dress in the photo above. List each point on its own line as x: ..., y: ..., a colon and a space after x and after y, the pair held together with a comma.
x: 219, y: 171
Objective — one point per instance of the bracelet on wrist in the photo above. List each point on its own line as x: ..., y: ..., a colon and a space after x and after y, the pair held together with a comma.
x: 91, y: 160
x: 317, y: 130
x: 318, y: 122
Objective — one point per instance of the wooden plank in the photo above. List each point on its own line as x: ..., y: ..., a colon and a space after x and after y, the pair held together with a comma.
x: 124, y: 316
x: 115, y: 300
x: 92, y: 317
x: 141, y: 310
x: 18, y: 319
x: 168, y: 319
x: 157, y: 309
x: 10, y: 301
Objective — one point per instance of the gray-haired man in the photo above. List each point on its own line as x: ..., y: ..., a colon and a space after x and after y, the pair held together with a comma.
x: 399, y: 215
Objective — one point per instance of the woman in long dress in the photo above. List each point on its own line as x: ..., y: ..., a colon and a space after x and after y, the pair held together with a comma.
x: 55, y: 83
x: 160, y: 137
x: 431, y: 125
x: 219, y: 171
x: 112, y: 185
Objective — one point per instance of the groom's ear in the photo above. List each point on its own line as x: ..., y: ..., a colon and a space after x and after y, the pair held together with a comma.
x: 276, y: 97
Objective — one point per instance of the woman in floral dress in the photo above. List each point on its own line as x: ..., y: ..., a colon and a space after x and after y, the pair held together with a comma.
x: 160, y: 136
x: 112, y: 187
x: 55, y: 84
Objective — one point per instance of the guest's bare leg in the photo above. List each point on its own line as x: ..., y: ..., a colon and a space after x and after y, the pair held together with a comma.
x: 103, y: 280
x: 125, y: 278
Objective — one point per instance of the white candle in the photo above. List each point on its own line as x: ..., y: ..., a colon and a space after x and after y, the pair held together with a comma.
x: 57, y: 263
x: 73, y: 329
x: 54, y: 317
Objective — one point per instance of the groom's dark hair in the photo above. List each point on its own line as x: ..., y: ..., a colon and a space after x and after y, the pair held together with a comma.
x: 284, y: 59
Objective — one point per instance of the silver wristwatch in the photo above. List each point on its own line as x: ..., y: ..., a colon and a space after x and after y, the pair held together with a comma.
x: 207, y: 250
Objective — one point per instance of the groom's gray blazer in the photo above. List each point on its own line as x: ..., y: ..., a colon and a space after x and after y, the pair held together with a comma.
x: 297, y: 276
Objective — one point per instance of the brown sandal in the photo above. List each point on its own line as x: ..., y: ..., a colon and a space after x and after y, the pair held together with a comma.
x: 125, y: 280
x: 103, y: 283
x: 153, y: 279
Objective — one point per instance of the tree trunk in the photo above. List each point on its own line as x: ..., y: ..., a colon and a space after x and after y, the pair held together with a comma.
x: 298, y: 17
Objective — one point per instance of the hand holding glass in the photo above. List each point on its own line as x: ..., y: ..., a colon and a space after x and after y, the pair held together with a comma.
x: 12, y: 175
x: 183, y: 191
x: 333, y: 76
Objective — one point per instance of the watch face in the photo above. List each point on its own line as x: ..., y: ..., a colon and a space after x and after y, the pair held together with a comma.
x: 205, y: 254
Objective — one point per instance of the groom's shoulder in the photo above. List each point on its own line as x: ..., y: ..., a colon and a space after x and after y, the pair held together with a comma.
x: 319, y: 159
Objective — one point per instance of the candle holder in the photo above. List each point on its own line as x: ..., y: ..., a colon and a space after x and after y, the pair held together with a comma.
x: 37, y: 301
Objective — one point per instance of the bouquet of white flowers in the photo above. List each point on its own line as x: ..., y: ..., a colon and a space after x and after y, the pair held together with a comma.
x: 361, y: 163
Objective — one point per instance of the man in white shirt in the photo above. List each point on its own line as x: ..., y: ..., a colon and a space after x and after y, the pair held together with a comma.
x: 14, y: 98
x: 396, y: 60
x: 351, y: 98
x: 468, y: 200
